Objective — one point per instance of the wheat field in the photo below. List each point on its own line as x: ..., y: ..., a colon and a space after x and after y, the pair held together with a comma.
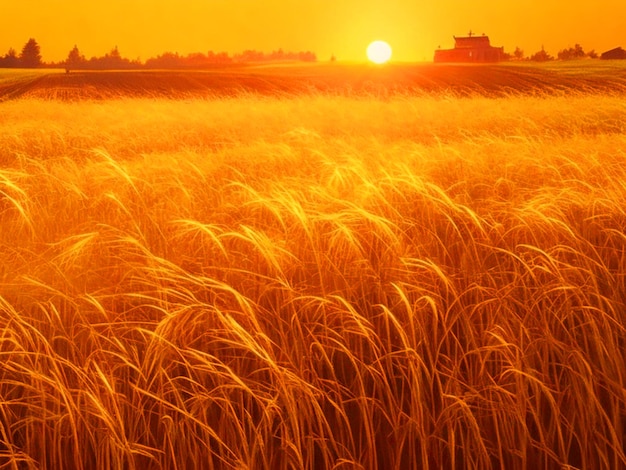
x: 313, y: 281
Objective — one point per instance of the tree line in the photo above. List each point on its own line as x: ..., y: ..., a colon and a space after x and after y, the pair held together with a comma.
x: 570, y: 53
x: 30, y: 57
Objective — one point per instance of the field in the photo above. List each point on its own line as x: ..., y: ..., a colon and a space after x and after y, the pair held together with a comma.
x: 326, y: 267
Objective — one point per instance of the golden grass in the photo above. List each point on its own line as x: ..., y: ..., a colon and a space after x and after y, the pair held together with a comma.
x: 313, y: 282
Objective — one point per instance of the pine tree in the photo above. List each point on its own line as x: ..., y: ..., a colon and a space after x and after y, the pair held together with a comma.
x: 31, y: 54
x: 75, y: 59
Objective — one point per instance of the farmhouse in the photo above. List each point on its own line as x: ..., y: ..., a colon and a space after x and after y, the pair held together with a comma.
x: 470, y: 48
x: 617, y: 53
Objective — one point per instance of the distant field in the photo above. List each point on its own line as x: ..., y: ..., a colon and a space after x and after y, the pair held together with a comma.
x: 351, y: 267
x: 492, y: 80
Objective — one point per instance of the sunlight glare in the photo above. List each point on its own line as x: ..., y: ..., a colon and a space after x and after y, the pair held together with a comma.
x: 379, y: 52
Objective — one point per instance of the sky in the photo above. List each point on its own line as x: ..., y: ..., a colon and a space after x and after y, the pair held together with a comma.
x: 414, y: 28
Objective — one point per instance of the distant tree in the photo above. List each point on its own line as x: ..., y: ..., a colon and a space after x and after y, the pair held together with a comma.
x: 572, y: 53
x: 541, y: 56
x: 75, y: 60
x: 307, y: 56
x: 195, y: 60
x: 564, y: 54
x: 578, y: 52
x: 10, y: 60
x: 167, y: 60
x: 278, y: 55
x: 222, y: 58
x: 114, y: 54
x: 31, y: 54
x: 250, y: 55
x: 592, y: 54
x: 112, y: 60
x: 518, y: 54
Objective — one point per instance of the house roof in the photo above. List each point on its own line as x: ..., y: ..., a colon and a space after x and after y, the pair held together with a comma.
x: 471, y: 41
x: 617, y: 49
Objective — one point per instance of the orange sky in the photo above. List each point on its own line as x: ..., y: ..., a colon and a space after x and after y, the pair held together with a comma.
x: 144, y: 28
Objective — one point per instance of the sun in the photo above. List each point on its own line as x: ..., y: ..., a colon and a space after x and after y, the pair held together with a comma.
x: 379, y: 52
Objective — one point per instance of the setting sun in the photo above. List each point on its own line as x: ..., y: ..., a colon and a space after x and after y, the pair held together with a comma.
x: 379, y: 52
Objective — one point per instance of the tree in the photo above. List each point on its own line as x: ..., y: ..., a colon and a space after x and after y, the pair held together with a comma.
x: 518, y: 54
x: 166, y: 60
x: 75, y: 60
x: 307, y: 56
x: 111, y: 60
x: 114, y: 55
x: 10, y: 60
x: 579, y: 51
x: 114, y: 60
x: 31, y: 54
x: 541, y: 56
x: 572, y: 53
